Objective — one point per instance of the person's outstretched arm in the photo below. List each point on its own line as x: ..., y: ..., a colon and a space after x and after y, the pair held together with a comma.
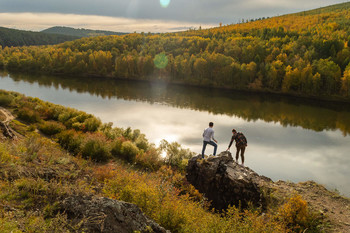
x: 230, y: 143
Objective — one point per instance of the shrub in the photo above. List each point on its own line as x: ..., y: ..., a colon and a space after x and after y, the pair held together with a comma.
x: 117, y: 147
x: 175, y: 154
x: 96, y: 148
x: 75, y: 120
x: 28, y: 115
x: 77, y: 126
x: 68, y: 117
x: 128, y: 133
x: 70, y: 140
x: 5, y: 99
x: 141, y: 142
x: 129, y: 151
x: 92, y: 124
x: 149, y: 159
x: 52, y: 112
x: 64, y: 116
x: 51, y: 127
x: 296, y: 215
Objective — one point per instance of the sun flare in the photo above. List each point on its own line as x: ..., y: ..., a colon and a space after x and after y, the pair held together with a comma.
x: 164, y: 3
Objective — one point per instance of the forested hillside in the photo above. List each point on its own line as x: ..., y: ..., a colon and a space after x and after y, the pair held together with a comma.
x: 13, y: 37
x: 304, y: 54
x: 81, y: 32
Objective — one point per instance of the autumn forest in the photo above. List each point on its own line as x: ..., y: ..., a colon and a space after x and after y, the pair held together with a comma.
x: 303, y: 54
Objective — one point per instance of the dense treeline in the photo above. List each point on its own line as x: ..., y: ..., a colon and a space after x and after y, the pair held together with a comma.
x: 13, y: 37
x: 305, y: 54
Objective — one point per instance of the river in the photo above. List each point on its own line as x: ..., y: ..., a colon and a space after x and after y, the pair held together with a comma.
x: 289, y: 138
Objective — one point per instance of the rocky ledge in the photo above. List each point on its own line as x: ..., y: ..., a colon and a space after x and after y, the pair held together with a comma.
x: 225, y: 182
x: 100, y: 214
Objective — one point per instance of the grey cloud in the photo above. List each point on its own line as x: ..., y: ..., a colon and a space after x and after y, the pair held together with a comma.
x: 200, y: 11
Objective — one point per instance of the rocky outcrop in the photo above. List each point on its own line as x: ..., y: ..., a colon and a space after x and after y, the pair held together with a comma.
x: 99, y: 214
x: 224, y: 182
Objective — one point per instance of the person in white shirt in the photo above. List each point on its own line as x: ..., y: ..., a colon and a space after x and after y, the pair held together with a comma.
x: 208, y: 135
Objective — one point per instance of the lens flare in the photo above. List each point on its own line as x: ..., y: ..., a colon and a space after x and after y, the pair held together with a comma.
x: 164, y: 3
x: 160, y: 61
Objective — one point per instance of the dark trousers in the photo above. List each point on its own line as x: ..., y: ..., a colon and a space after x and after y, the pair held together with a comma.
x: 242, y: 150
x: 210, y: 143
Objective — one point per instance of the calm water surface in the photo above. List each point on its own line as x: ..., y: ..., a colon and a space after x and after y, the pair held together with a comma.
x: 288, y: 138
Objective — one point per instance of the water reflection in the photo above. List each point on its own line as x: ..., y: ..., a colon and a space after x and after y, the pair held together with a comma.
x: 287, y: 111
x: 288, y: 138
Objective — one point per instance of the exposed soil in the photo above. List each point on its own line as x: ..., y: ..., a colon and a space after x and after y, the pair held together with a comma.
x: 5, y: 115
x: 5, y: 118
x: 334, y: 208
x: 2, y: 116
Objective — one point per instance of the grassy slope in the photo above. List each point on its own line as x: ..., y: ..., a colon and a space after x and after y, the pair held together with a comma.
x: 36, y: 174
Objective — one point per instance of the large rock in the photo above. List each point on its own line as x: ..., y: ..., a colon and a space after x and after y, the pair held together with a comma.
x: 225, y: 182
x: 99, y: 214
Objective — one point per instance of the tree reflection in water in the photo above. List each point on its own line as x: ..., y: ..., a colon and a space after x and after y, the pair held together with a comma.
x: 316, y: 115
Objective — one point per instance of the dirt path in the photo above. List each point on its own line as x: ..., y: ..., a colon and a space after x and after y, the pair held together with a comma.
x: 4, y: 123
x: 8, y: 116
x: 332, y: 206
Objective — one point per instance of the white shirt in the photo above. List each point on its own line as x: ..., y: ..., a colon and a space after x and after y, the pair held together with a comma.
x: 208, y: 134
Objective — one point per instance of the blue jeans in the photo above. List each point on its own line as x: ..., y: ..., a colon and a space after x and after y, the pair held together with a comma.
x: 210, y: 143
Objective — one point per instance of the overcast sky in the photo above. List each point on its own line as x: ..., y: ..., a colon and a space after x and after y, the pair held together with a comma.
x: 143, y: 15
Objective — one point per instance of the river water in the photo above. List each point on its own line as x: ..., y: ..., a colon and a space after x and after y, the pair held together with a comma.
x: 289, y: 138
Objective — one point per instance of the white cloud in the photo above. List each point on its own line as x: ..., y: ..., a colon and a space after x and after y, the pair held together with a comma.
x: 41, y: 21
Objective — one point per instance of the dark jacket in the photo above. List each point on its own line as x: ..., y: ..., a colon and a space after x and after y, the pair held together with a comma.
x: 240, y: 140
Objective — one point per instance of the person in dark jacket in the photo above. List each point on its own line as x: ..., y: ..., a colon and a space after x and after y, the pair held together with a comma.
x: 241, y: 144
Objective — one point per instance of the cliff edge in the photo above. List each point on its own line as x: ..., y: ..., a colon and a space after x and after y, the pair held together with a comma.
x: 224, y: 183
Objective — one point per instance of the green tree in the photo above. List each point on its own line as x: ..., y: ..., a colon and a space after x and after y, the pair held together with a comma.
x: 291, y: 81
x: 345, y: 82
x: 200, y: 68
x: 330, y: 75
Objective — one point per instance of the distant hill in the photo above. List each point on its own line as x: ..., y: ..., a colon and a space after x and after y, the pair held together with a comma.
x: 13, y: 37
x: 81, y: 32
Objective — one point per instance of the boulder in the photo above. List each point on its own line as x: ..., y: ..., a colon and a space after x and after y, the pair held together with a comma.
x: 224, y: 182
x: 100, y: 214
